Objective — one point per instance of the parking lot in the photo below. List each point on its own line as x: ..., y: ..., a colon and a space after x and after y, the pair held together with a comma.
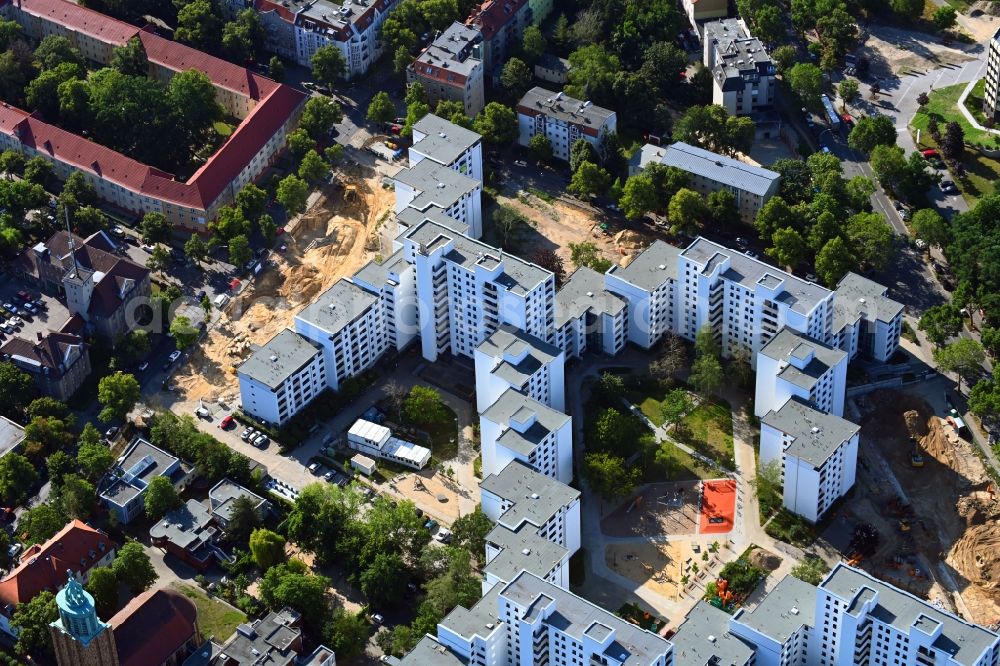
x: 51, y: 316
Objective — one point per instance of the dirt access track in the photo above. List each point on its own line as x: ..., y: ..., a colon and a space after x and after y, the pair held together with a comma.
x: 331, y: 240
x: 940, y: 534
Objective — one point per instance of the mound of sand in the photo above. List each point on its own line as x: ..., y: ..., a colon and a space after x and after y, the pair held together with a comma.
x: 975, y: 555
x: 764, y: 559
x: 915, y: 424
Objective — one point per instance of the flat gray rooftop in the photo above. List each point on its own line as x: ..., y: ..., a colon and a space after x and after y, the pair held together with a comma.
x: 437, y: 185
x: 452, y: 51
x: 704, y: 638
x: 514, y: 404
x: 429, y: 651
x: 720, y: 168
x: 791, y: 604
x: 11, y: 435
x: 857, y: 297
x: 575, y: 616
x: 376, y: 274
x: 441, y: 140
x: 585, y: 292
x: 965, y: 642
x: 469, y: 622
x: 523, y: 550
x: 789, y: 346
x: 536, y: 498
x: 141, y: 462
x: 652, y: 268
x: 798, y: 294
x: 187, y: 527
x: 225, y: 493
x: 518, y: 276
x: 279, y: 358
x: 520, y: 355
x: 565, y: 108
x: 265, y: 641
x: 411, y: 217
x: 337, y: 307
x: 817, y: 435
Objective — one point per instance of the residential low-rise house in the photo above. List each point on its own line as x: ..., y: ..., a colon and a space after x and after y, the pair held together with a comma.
x: 188, y: 533
x: 701, y: 10
x: 281, y: 377
x: 552, y: 69
x: 649, y: 285
x: 451, y: 68
x: 865, y: 320
x: 224, y: 495
x: 563, y: 120
x: 792, y: 364
x: 123, y: 489
x: 275, y: 639
x: 589, y: 316
x: 363, y: 464
x: 511, y: 358
x: 59, y: 363
x: 518, y: 427
x: 376, y: 440
x: 816, y: 452
x: 77, y: 548
x: 752, y: 186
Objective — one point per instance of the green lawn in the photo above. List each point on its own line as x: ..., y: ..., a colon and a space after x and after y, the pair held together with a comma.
x: 981, y: 172
x: 708, y: 429
x: 943, y: 105
x: 688, y: 467
x: 225, y: 130
x: 215, y: 618
x: 443, y: 436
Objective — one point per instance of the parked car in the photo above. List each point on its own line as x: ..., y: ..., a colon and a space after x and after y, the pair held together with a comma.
x: 948, y: 187
x: 329, y: 476
x: 443, y: 535
x: 520, y: 163
x: 261, y: 441
x: 848, y: 120
x: 111, y: 433
x: 30, y: 307
x: 143, y: 366
x: 929, y: 153
x: 226, y: 421
x: 23, y: 295
x: 430, y: 524
x: 377, y: 618
x: 245, y: 435
x: 203, y: 413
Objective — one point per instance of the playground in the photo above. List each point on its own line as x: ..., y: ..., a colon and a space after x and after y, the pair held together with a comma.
x: 658, y: 509
x: 718, y: 506
x: 672, y: 569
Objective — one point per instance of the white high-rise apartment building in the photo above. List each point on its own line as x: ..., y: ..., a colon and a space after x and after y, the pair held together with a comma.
x: 518, y: 427
x: 349, y: 324
x: 588, y: 316
x: 429, y: 187
x: 745, y: 301
x: 780, y: 626
x: 649, y: 284
x: 865, y: 320
x: 281, y: 377
x: 861, y: 620
x: 509, y: 552
x: 817, y: 453
x: 466, y: 289
x: 513, y: 359
x: 795, y: 365
x: 394, y: 282
x: 991, y: 93
x: 447, y: 144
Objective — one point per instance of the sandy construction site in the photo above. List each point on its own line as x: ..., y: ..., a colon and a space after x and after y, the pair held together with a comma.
x: 331, y: 240
x: 932, y: 503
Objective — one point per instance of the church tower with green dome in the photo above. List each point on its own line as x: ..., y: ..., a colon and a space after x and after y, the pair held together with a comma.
x: 78, y: 636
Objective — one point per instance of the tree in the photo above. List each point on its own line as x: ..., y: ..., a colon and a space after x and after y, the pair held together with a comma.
x: 706, y: 374
x: 155, y: 228
x: 276, y: 68
x: 346, y: 633
x: 240, y: 253
x: 871, y: 131
x: 550, y: 261
x: 540, y: 147
x: 319, y: 116
x: 313, y: 168
x: 639, y: 196
x: 94, y: 459
x: 267, y: 548
x: 608, y: 474
x: 848, y: 91
x: 990, y: 337
x: 614, y: 431
x: 381, y: 109
x: 161, y: 498
x: 872, y: 237
x: 889, y: 165
x: 941, y: 323
x: 243, y: 37
x: 806, y: 80
x: 722, y: 208
x: 835, y: 259
x: 132, y: 567
x: 672, y: 358
x: 11, y: 162
x: 333, y: 154
x: 953, y: 141
x: 589, y: 180
x: 674, y: 406
x: 770, y: 25
x: 16, y: 388
x: 103, y: 586
x: 712, y: 128
x: 10, y: 31
x: 38, y: 170
x: 290, y: 584
x: 579, y: 152
x: 293, y: 193
x: 76, y: 496
x: 117, y: 394
x: 17, y: 476
x: 299, y: 142
x: 686, y: 212
x: 424, y: 405
x: 907, y: 8
x: 497, y: 123
x: 812, y: 570
x: 964, y: 357
x: 55, y: 50
x: 944, y: 18
x: 159, y: 259
x: 516, y: 78
x: 47, y: 407
x: 328, y: 65
x: 384, y: 580
x: 193, y: 97
x: 42, y: 92
x: 592, y: 70
x: 532, y: 45
x: 198, y: 25
x: 788, y: 248
x: 984, y: 399
x: 784, y: 57
x: 196, y: 249
x: 130, y: 58
x: 31, y: 620
x: 470, y: 530
x: 243, y: 520
x: 229, y: 223
x: 39, y: 523
x: 587, y: 254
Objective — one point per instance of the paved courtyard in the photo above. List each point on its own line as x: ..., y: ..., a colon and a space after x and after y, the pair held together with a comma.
x: 659, y: 509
